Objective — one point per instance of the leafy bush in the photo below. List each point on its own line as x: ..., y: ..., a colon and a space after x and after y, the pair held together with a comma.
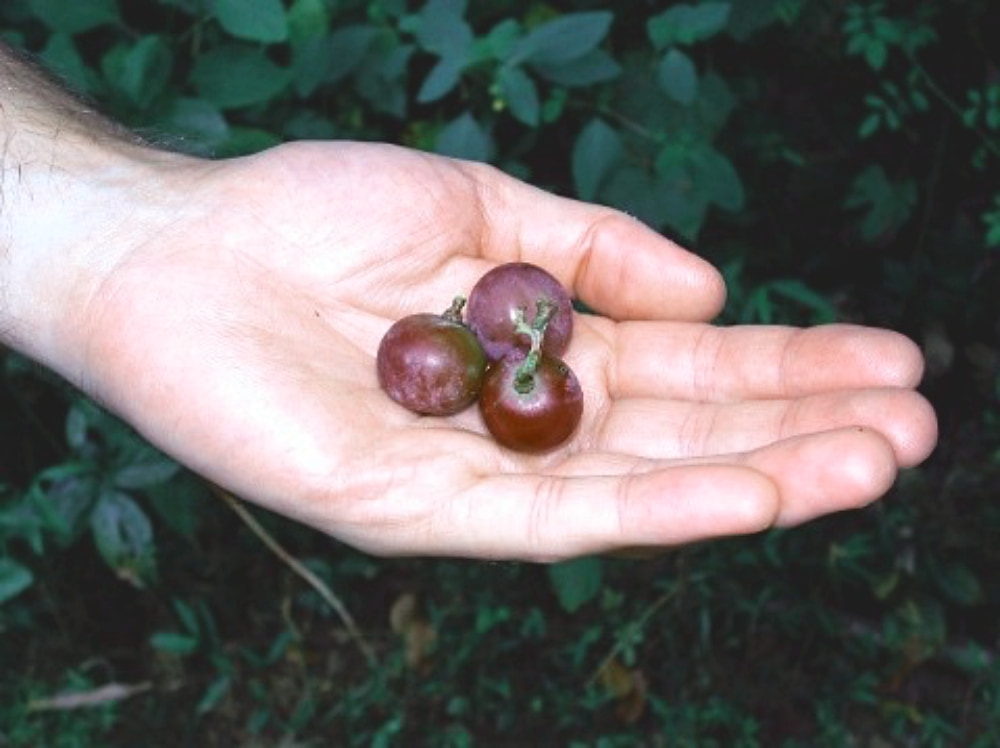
x: 837, y: 161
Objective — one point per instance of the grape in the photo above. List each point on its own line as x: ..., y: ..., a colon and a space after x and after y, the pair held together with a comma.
x: 520, y: 320
x: 431, y: 363
x: 530, y: 409
x: 496, y: 298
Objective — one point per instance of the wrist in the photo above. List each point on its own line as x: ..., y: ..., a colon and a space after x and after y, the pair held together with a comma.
x: 65, y: 209
x: 77, y: 193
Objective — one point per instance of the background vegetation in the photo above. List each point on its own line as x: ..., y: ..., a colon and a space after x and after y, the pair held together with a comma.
x: 838, y: 160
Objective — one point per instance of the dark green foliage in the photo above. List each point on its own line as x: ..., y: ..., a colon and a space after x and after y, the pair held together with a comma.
x: 836, y: 160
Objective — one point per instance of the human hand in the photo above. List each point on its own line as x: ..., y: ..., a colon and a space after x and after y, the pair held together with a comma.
x: 238, y: 333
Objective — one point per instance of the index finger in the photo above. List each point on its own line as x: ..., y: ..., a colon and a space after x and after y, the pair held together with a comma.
x: 612, y: 262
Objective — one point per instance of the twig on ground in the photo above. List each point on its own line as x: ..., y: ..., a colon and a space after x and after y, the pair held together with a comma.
x: 301, y: 570
x: 105, y: 694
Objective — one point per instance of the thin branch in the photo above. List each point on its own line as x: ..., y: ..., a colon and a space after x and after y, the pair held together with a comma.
x: 953, y: 106
x: 105, y: 694
x: 637, y: 625
x: 301, y: 570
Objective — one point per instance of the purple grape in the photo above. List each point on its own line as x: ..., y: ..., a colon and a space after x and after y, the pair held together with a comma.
x: 496, y: 298
x: 431, y: 363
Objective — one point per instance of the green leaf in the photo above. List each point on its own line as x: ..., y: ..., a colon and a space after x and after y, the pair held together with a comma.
x: 889, y: 204
x: 144, y: 70
x: 892, y: 119
x: 264, y: 21
x: 876, y: 53
x: 308, y: 20
x: 887, y: 29
x: 180, y: 504
x: 62, y: 57
x: 686, y: 24
x: 679, y: 205
x: 634, y: 191
x: 232, y: 76
x: 597, y: 66
x: 716, y: 178
x: 75, y: 17
x: 442, y: 78
x: 520, y: 93
x: 124, y: 537
x: 146, y: 467
x: 973, y: 658
x: 188, y: 616
x: 14, y: 579
x: 199, y: 124
x: 62, y: 495
x: 870, y: 125
x: 554, y: 105
x: 746, y: 17
x: 992, y: 220
x: 678, y: 77
x: 19, y: 519
x: 957, y: 581
x: 213, y: 694
x: 576, y: 582
x: 174, y: 643
x: 77, y: 428
x: 597, y: 151
x: 246, y: 140
x: 715, y: 104
x: 562, y: 39
x: 758, y: 308
x: 464, y: 138
x: 328, y: 59
x: 856, y: 42
x: 500, y: 40
x: 381, y: 78
x: 442, y: 30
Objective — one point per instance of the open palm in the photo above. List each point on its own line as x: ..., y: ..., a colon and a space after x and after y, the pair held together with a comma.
x: 239, y: 335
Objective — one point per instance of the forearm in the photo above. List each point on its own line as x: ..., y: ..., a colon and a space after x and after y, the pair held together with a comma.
x: 71, y: 183
x: 39, y: 111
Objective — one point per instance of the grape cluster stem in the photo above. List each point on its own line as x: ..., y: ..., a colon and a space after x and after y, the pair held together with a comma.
x: 545, y: 309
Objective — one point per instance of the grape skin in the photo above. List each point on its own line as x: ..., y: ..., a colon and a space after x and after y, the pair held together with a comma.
x: 533, y: 421
x: 430, y: 365
x: 496, y: 297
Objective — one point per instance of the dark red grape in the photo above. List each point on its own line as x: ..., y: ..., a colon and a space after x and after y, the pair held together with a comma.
x: 495, y: 299
x: 530, y: 410
x: 431, y: 363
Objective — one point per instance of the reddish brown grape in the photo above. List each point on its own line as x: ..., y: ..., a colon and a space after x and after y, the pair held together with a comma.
x: 495, y: 299
x: 531, y: 411
x: 431, y: 363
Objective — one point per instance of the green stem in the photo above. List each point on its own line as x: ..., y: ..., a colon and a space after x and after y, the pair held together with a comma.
x: 454, y: 312
x: 545, y: 309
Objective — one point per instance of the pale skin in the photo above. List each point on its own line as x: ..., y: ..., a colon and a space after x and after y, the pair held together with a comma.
x: 230, y: 311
